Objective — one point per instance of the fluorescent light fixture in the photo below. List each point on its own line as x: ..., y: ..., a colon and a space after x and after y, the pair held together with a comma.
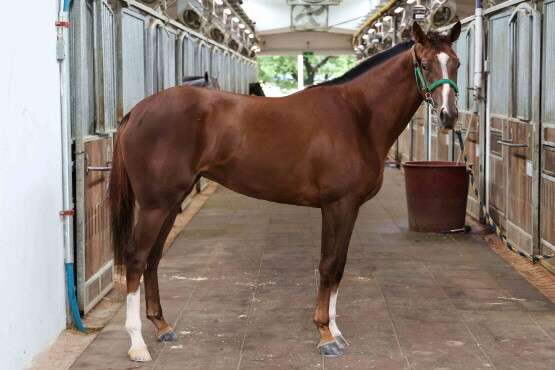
x: 241, y: 25
x: 372, y: 30
x: 247, y: 31
x: 410, y: 1
x: 378, y: 24
x: 399, y: 10
x: 386, y: 18
x: 365, y: 36
x: 235, y: 19
x: 251, y: 36
x: 227, y: 11
x: 219, y: 2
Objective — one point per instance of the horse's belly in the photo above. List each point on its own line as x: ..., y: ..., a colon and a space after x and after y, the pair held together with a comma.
x: 268, y: 184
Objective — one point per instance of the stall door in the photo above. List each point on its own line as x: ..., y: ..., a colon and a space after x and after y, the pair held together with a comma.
x: 513, y: 121
x: 547, y: 203
x: 94, y: 119
x: 98, y: 251
x: 470, y: 122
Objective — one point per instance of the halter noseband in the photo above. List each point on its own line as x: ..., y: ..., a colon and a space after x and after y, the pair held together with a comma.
x: 423, y: 87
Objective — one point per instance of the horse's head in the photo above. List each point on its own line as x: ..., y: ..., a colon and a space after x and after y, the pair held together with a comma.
x: 436, y: 67
x: 211, y: 82
x: 202, y: 81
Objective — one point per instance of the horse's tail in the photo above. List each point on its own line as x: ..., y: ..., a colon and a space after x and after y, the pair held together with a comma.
x: 121, y: 201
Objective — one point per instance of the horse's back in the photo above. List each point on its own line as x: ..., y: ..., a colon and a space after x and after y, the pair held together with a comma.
x: 292, y: 149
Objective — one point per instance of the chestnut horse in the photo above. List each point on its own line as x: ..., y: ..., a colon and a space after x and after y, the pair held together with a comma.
x: 321, y: 147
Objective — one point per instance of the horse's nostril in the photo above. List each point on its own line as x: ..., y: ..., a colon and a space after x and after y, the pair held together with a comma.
x: 442, y: 114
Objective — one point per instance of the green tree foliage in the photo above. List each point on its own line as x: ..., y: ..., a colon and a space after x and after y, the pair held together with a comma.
x: 282, y: 70
x: 279, y: 71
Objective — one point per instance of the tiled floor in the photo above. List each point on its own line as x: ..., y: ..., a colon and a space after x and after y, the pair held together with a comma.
x: 239, y: 286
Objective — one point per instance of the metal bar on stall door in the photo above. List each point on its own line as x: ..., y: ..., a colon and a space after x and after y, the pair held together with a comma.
x: 180, y: 59
x: 98, y: 66
x: 119, y: 59
x: 536, y: 132
x: 79, y: 57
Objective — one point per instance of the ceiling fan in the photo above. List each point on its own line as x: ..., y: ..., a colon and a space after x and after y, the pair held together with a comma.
x: 309, y: 17
x: 314, y: 2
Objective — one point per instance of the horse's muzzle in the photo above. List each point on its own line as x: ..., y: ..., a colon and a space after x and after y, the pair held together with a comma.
x: 447, y: 119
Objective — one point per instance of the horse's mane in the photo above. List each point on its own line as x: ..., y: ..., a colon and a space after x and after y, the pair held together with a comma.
x: 368, y: 64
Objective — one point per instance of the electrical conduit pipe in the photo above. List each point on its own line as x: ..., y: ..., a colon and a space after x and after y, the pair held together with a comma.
x: 62, y: 51
x: 478, y: 53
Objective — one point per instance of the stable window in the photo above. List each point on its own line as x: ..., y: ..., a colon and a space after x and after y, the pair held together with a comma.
x: 499, y: 57
x: 189, y: 51
x: 93, y: 67
x: 521, y: 63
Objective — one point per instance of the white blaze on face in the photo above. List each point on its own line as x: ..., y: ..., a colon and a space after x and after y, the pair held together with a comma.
x: 443, y: 58
x: 334, y: 330
x: 133, y: 320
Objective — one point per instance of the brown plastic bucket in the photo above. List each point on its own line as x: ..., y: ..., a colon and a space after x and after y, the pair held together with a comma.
x: 436, y: 195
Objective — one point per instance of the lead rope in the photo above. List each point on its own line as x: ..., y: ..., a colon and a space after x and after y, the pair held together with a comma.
x: 532, y: 257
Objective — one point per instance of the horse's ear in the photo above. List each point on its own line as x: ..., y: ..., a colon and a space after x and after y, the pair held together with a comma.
x: 206, y: 78
x: 455, y: 32
x: 417, y: 34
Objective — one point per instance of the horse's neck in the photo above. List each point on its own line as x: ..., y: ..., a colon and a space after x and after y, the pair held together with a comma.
x: 388, y: 97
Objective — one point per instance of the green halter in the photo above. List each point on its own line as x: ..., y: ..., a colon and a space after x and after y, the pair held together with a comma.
x: 421, y: 82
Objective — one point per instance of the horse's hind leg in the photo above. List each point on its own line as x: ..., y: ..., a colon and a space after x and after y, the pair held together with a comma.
x: 147, y: 229
x: 152, y: 296
x: 338, y: 220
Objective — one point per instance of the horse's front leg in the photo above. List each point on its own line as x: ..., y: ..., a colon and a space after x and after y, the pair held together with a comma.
x: 147, y: 229
x: 338, y: 220
x: 152, y: 295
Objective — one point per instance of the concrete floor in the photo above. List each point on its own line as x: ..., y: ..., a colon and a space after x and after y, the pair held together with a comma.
x: 239, y: 286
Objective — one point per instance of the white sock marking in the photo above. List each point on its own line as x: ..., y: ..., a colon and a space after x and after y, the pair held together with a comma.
x: 443, y: 58
x: 133, y: 320
x: 334, y: 330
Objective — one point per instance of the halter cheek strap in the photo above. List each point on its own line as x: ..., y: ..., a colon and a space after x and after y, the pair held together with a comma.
x: 423, y: 87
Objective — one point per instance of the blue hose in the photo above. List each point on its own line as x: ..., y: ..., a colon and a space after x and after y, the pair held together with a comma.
x: 73, y: 298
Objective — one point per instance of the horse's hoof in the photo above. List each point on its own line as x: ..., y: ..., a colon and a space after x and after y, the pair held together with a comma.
x: 168, y: 336
x: 330, y: 349
x: 341, y: 342
x: 139, y: 355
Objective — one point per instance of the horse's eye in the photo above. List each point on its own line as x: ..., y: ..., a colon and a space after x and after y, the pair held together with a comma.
x: 425, y: 67
x: 459, y: 65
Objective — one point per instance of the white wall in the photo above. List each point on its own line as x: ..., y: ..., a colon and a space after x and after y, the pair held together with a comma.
x: 32, y: 287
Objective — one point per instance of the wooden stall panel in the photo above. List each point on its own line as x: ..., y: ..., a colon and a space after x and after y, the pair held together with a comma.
x: 547, y: 173
x: 434, y: 150
x: 497, y: 178
x: 444, y: 145
x: 98, y: 254
x: 470, y: 122
x: 547, y: 196
x: 519, y: 186
x: 419, y: 134
x: 548, y: 199
x: 405, y: 144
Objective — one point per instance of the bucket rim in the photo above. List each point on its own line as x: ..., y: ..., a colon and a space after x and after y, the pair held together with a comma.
x: 433, y: 164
